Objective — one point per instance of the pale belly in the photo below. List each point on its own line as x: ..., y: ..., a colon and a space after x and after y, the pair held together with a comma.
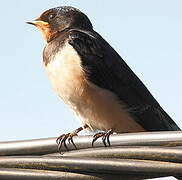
x: 94, y: 106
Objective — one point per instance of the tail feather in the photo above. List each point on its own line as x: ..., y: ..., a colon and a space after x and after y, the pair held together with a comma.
x: 167, y: 120
x: 155, y: 119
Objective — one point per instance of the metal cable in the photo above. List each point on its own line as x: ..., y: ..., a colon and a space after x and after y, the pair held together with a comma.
x: 132, y: 152
x: 93, y: 165
x: 131, y: 156
x: 48, y: 145
x: 32, y: 174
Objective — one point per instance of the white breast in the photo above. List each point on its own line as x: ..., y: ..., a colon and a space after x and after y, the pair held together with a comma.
x: 96, y: 107
x: 66, y: 74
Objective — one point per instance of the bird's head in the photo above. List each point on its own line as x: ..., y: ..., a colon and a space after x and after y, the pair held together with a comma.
x: 56, y: 20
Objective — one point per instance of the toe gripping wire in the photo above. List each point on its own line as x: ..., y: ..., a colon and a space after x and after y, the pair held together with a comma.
x: 105, y: 137
x: 61, y: 140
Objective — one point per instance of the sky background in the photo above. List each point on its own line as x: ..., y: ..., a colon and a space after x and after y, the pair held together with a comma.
x: 147, y: 34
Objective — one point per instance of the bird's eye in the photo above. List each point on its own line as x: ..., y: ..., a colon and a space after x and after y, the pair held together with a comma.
x: 52, y: 16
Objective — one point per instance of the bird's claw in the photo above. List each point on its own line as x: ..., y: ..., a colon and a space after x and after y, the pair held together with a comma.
x: 105, y: 137
x: 61, y: 140
x: 96, y: 136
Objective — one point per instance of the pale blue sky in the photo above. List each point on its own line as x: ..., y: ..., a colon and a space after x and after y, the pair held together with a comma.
x: 147, y: 34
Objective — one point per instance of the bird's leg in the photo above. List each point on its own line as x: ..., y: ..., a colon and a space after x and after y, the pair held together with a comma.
x: 105, y: 137
x: 61, y: 140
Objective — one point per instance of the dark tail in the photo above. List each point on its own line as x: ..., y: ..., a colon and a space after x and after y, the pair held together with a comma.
x: 155, y: 119
x: 169, y: 124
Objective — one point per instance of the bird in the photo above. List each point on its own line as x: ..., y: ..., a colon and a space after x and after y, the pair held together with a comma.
x: 93, y: 79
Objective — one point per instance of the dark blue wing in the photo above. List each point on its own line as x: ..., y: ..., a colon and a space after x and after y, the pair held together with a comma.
x: 106, y: 69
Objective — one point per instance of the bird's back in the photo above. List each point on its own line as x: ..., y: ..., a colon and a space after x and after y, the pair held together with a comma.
x: 108, y: 70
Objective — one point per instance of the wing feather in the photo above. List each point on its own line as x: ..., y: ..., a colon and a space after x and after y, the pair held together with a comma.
x: 106, y: 69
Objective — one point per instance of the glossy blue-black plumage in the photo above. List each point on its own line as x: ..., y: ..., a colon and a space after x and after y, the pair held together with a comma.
x: 105, y: 68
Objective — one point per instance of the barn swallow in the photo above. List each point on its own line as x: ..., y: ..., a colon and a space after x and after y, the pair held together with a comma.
x: 93, y: 79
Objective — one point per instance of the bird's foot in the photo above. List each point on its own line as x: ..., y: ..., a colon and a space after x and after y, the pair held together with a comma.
x: 105, y: 137
x: 61, y: 140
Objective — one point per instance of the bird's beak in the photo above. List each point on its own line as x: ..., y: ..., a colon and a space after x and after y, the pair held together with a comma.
x: 43, y: 26
x: 38, y: 23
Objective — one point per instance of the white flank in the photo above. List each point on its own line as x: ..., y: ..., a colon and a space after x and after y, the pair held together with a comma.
x: 96, y: 107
